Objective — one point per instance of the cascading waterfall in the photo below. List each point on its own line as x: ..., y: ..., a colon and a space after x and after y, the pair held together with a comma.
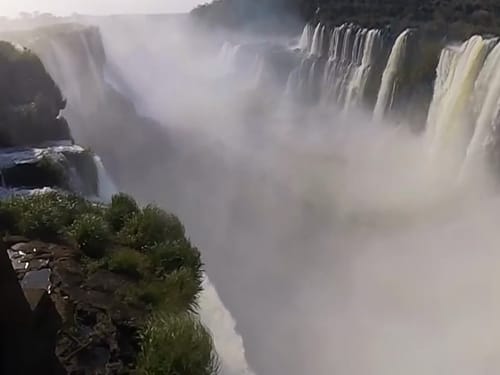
x: 450, y: 124
x: 390, y: 76
x: 351, y: 52
x: 357, y: 84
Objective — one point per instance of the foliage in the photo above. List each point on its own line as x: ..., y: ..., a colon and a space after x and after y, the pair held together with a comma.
x: 177, y: 344
x: 45, y: 216
x: 92, y: 234
x: 9, y: 218
x: 122, y: 208
x: 173, y: 255
x: 128, y: 262
x: 150, y: 227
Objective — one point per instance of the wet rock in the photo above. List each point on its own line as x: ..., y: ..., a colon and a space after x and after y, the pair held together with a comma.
x: 37, y: 280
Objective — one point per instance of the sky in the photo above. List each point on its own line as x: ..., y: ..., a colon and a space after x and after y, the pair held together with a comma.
x: 12, y: 8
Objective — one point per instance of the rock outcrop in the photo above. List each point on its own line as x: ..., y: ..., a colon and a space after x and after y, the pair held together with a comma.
x: 30, y: 101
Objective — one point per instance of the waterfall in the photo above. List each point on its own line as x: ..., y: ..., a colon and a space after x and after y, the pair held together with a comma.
x: 318, y: 41
x: 106, y: 187
x: 450, y: 121
x: 357, y: 85
x: 390, y: 77
x: 221, y: 323
x: 306, y: 38
x: 486, y: 106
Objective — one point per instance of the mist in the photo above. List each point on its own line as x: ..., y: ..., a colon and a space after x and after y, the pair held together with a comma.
x: 340, y: 244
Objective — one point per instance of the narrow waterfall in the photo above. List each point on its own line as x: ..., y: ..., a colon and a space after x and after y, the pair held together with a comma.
x: 390, y: 76
x: 450, y: 121
x: 306, y: 38
x: 486, y: 106
x: 318, y: 41
x: 105, y: 184
x: 221, y: 323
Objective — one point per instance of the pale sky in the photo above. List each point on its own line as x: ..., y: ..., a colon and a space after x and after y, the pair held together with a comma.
x: 64, y: 7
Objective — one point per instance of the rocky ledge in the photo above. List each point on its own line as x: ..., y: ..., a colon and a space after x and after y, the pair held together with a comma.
x: 92, y: 330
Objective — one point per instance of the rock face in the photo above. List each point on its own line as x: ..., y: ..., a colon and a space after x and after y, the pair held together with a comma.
x: 30, y: 101
x: 97, y: 96
x: 29, y: 322
x: 78, y: 318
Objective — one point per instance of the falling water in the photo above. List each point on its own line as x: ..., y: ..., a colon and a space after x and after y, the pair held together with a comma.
x: 486, y: 106
x: 357, y: 84
x: 390, y: 76
x: 221, y: 323
x: 450, y: 124
x: 106, y: 187
x: 306, y: 38
x: 318, y: 41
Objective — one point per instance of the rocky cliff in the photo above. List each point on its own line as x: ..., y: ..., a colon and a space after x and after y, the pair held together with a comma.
x: 30, y: 101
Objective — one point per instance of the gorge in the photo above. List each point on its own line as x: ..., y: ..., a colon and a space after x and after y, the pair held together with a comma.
x: 340, y: 178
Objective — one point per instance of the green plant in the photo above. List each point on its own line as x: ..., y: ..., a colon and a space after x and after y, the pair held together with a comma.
x: 9, y: 218
x: 171, y: 256
x: 149, y: 227
x: 128, y: 262
x: 92, y: 234
x: 181, y: 291
x: 177, y: 344
x: 48, y: 215
x: 121, y: 209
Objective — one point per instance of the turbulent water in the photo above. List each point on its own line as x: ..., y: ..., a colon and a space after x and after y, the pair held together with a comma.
x: 336, y: 237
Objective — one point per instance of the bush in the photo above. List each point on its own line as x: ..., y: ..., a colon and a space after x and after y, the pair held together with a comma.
x: 122, y: 208
x: 47, y: 216
x: 181, y: 291
x: 128, y: 262
x: 92, y: 234
x: 177, y: 344
x: 9, y: 218
x: 150, y: 227
x: 172, y: 256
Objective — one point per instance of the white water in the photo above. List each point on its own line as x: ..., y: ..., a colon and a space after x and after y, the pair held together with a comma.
x: 106, y: 186
x: 317, y: 41
x: 450, y: 123
x: 222, y: 325
x: 390, y: 76
x: 357, y: 85
x: 306, y: 38
x: 486, y: 109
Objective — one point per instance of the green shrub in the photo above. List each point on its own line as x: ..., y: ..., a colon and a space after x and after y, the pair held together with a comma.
x: 177, y: 344
x: 181, y: 291
x: 128, y: 262
x: 92, y: 234
x: 121, y: 209
x: 150, y: 227
x: 47, y: 216
x: 9, y: 218
x: 172, y: 256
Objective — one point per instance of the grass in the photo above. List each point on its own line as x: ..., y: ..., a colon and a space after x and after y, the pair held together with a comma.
x: 177, y: 344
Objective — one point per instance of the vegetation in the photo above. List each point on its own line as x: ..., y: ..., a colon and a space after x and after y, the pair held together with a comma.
x: 454, y: 18
x: 147, y: 246
x: 190, y: 347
